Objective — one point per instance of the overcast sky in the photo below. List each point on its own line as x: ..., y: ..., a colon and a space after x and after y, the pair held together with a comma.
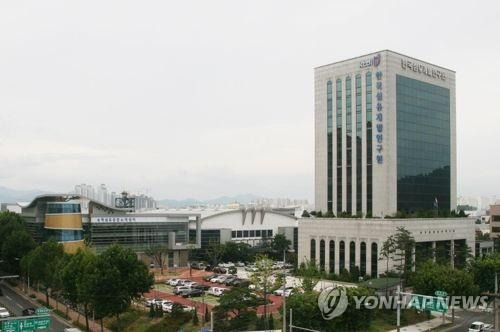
x: 206, y: 98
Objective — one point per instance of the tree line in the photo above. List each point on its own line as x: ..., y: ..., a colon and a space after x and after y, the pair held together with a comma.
x: 103, y: 284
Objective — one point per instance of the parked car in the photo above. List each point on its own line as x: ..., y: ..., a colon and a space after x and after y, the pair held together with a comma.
x: 179, y: 289
x: 152, y: 265
x: 240, y: 283
x: 190, y: 283
x: 232, y: 270
x: 72, y: 329
x: 207, y: 278
x: 221, y: 279
x: 167, y: 306
x: 193, y: 292
x: 216, y: 291
x: 200, y: 286
x: 239, y: 264
x: 219, y: 270
x: 197, y: 266
x: 29, y: 312
x: 174, y: 282
x: 251, y: 268
x: 229, y: 280
x: 4, y: 313
x: 150, y: 302
x: 229, y: 264
x: 280, y: 291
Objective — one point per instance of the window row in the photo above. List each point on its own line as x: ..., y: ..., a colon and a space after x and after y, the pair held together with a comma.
x: 252, y: 233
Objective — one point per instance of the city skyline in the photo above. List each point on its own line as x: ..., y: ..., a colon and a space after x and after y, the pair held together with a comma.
x: 156, y: 99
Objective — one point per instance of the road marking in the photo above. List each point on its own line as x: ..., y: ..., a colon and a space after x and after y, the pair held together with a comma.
x: 7, y: 296
x: 20, y: 306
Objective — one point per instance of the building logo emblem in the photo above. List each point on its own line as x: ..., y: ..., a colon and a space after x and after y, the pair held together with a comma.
x: 375, y: 61
x: 332, y: 302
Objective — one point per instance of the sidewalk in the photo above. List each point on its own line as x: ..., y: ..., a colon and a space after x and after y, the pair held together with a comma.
x: 73, y: 315
x: 428, y: 325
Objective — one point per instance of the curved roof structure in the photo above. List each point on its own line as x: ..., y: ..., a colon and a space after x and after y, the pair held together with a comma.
x: 65, y: 198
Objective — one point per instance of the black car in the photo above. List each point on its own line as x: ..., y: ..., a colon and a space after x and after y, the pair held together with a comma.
x: 201, y: 287
x: 229, y: 280
x: 193, y: 292
x: 219, y: 269
x: 29, y: 312
x: 241, y: 283
x: 207, y: 278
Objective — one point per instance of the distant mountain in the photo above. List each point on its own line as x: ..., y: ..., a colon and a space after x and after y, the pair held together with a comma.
x: 223, y: 200
x: 8, y: 195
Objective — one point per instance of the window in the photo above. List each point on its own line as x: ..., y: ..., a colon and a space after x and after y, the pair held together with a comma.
x: 374, y: 260
x: 362, y: 256
x: 313, y: 250
x: 60, y: 235
x: 257, y: 233
x: 341, y: 256
x: 270, y: 233
x: 233, y: 234
x: 329, y: 107
x: 496, y: 218
x: 245, y: 233
x: 239, y: 234
x: 252, y: 233
x: 332, y: 257
x: 352, y: 255
x: 322, y: 255
x: 63, y: 208
x: 423, y: 145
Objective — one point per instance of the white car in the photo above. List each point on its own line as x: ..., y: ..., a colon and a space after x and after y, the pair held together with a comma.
x: 167, y: 306
x: 478, y: 326
x: 221, y: 279
x: 4, y: 313
x: 239, y: 264
x: 180, y: 289
x: 216, y: 291
x: 190, y: 284
x: 155, y: 302
x: 281, y: 291
x: 226, y: 265
x: 175, y: 282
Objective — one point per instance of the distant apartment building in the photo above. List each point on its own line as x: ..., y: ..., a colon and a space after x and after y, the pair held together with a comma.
x: 495, y: 220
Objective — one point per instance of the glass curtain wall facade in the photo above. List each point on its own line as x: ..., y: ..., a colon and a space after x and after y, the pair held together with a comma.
x: 359, y: 151
x: 423, y: 145
x: 369, y: 166
x: 339, y: 143
x: 329, y: 102
x: 348, y: 124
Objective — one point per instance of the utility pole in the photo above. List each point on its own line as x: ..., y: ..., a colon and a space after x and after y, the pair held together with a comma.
x: 284, y: 306
x: 211, y: 321
x: 399, y: 309
x: 496, y: 319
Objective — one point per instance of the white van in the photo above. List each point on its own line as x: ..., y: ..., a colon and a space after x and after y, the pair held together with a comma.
x: 216, y: 291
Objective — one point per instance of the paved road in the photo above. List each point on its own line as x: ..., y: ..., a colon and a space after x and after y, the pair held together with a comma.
x: 463, y: 319
x: 16, y: 303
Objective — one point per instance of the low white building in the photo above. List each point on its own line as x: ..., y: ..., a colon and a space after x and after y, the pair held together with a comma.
x: 335, y: 244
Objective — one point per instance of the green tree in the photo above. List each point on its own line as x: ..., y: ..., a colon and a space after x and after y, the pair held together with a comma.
x: 235, y: 252
x: 196, y: 321
x: 9, y: 222
x: 271, y: 322
x: 117, y: 278
x: 262, y: 277
x: 235, y: 308
x: 483, y: 270
x: 158, y: 253
x: 75, y: 277
x: 41, y: 264
x: 214, y: 252
x: 404, y: 245
x: 15, y: 246
x: 280, y: 244
x: 431, y: 277
x: 305, y: 214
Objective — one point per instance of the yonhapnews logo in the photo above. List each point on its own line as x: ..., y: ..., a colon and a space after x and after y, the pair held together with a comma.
x: 332, y: 302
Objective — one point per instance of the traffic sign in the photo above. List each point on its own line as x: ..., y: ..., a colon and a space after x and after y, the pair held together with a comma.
x: 25, y: 324
x: 42, y: 311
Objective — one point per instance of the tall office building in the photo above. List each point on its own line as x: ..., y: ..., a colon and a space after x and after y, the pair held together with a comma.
x: 384, y: 135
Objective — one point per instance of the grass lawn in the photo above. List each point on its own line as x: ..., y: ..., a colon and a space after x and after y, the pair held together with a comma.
x: 385, y: 320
